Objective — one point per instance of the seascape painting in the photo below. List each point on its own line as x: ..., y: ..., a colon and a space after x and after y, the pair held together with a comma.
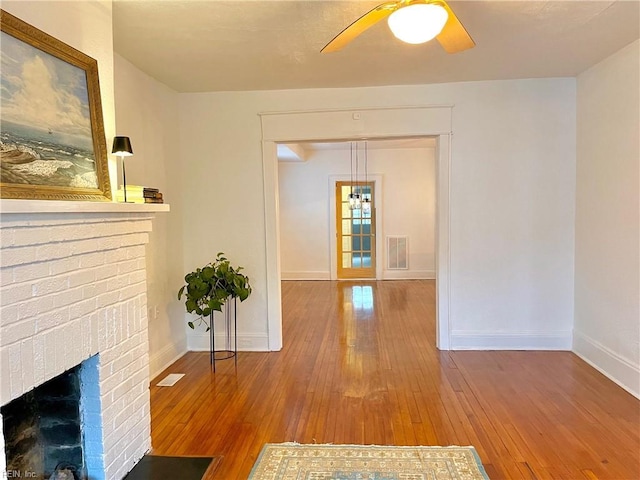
x: 52, y: 143
x: 45, y: 131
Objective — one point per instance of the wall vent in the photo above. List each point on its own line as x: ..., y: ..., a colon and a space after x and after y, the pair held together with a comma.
x: 397, y: 253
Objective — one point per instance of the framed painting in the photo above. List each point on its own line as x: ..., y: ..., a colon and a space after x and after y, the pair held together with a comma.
x: 52, y: 141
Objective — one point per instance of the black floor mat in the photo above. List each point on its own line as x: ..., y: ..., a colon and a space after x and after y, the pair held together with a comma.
x: 156, y: 467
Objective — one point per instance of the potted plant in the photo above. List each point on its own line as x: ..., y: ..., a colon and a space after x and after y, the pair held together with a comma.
x: 208, y: 288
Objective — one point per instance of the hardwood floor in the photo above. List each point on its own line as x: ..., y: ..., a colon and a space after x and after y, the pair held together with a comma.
x: 359, y: 366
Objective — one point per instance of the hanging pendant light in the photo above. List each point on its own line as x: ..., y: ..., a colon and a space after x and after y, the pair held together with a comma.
x: 358, y: 193
x: 352, y: 196
x: 352, y: 201
x: 366, y: 201
x: 358, y: 204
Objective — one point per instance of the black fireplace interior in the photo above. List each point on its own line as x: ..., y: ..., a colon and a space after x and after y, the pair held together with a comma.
x: 42, y: 430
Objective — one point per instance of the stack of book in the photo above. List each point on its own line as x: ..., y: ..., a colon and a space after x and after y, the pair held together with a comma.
x: 140, y: 194
x: 152, y: 195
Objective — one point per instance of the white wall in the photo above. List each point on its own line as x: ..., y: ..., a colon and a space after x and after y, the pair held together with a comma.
x: 607, y: 303
x: 512, y: 219
x: 512, y: 200
x: 147, y: 112
x: 86, y: 26
x: 406, y: 204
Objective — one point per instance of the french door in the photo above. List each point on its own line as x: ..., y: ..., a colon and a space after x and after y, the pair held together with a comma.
x: 355, y: 231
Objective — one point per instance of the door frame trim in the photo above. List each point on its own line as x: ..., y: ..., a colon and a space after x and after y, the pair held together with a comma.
x: 349, y: 124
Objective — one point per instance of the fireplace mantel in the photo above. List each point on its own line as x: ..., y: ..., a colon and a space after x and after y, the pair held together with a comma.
x: 56, y: 206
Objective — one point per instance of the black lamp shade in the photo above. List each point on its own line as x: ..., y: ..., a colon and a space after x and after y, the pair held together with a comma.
x: 122, y: 146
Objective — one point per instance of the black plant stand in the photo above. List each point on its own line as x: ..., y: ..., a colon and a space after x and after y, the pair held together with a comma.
x: 228, y: 352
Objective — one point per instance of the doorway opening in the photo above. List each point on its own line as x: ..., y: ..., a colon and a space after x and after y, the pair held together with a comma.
x: 345, y: 126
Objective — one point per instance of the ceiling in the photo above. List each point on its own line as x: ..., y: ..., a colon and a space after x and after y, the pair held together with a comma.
x: 219, y: 45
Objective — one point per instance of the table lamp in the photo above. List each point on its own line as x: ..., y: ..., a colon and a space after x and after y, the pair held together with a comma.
x: 122, y: 148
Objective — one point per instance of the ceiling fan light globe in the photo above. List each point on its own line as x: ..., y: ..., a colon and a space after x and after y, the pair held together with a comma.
x: 417, y: 23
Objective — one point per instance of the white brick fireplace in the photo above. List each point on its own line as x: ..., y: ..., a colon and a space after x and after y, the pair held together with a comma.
x: 73, y: 288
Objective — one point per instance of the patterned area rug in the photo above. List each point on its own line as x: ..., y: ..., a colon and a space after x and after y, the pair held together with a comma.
x: 290, y: 461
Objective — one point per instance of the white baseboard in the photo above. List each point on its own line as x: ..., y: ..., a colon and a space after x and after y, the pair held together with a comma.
x: 247, y: 342
x: 408, y: 274
x: 161, y: 359
x: 609, y: 363
x: 305, y: 276
x: 461, y: 340
x: 386, y: 275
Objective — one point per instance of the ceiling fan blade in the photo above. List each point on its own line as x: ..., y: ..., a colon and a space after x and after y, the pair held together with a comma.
x: 454, y: 37
x: 360, y: 25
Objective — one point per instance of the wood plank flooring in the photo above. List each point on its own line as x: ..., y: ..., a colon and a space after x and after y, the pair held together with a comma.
x: 359, y: 366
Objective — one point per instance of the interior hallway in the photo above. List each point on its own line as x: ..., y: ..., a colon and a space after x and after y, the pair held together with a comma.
x: 359, y: 366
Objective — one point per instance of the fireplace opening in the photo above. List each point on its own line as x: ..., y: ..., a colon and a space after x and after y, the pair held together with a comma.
x: 43, y: 430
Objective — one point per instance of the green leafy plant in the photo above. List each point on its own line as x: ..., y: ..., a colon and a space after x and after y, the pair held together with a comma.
x: 208, y: 288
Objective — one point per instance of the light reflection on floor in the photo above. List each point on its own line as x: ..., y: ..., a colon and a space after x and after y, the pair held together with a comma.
x: 362, y: 297
x: 358, y: 342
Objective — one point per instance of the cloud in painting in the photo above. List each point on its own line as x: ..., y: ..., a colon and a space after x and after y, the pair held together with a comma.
x: 45, y: 92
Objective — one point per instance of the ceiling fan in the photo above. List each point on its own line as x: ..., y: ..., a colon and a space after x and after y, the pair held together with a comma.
x: 412, y: 21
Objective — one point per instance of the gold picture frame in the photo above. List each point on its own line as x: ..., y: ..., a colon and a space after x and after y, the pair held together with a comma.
x: 52, y: 140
